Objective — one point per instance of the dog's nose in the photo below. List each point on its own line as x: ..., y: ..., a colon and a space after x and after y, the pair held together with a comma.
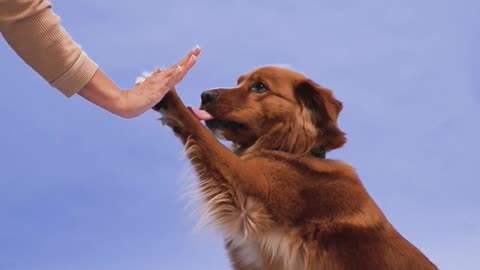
x: 209, y: 96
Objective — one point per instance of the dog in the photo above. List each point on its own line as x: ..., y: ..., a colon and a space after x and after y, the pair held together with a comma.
x: 279, y: 202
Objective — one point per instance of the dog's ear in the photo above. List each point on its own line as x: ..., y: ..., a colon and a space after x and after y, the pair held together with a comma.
x: 318, y: 100
x: 323, y: 109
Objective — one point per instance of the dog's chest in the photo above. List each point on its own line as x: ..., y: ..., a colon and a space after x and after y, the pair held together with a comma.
x: 250, y: 253
x: 270, y: 249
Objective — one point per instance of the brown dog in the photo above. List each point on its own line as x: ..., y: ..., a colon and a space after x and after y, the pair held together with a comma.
x: 279, y: 202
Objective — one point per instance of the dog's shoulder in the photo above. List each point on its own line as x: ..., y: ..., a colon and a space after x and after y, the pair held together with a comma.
x: 312, y: 169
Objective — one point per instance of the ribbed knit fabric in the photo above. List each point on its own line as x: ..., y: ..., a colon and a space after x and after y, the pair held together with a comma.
x: 34, y: 31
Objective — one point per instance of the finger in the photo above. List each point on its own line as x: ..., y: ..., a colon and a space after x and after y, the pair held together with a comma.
x: 176, y: 77
x: 195, y: 51
x: 186, y: 68
x: 187, y: 61
x: 173, y: 75
x: 181, y: 71
x: 177, y: 73
x: 166, y: 83
x: 162, y: 75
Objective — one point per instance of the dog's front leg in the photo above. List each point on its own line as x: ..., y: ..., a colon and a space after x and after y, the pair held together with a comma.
x: 232, y: 188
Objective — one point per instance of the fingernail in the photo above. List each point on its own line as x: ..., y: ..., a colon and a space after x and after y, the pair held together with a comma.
x: 196, y: 48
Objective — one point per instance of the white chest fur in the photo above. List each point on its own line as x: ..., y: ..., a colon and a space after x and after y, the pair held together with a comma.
x: 278, y: 248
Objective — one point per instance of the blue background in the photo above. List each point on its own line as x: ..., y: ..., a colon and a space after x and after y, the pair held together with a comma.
x: 83, y: 189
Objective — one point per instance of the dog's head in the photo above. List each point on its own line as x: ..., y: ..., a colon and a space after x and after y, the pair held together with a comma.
x: 275, y: 108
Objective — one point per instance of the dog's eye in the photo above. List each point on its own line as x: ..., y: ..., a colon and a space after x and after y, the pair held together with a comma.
x: 258, y: 87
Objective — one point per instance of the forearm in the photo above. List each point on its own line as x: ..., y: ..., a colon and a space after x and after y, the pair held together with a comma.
x: 32, y: 29
x: 103, y: 92
x: 34, y: 32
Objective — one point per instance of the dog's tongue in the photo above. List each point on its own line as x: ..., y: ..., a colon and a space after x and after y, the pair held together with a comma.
x: 201, y: 114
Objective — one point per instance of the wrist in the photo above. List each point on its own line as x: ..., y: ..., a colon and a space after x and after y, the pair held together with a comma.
x: 101, y: 91
x: 121, y: 106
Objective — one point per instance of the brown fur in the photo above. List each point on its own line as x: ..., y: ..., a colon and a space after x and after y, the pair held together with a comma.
x: 279, y: 207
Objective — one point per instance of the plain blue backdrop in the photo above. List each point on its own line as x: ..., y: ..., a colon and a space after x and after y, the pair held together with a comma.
x: 81, y: 189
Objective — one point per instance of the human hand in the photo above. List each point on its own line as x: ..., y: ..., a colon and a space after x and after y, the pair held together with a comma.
x: 151, y: 91
x: 141, y: 98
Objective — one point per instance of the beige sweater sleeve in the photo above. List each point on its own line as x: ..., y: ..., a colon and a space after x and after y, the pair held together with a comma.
x: 33, y: 30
